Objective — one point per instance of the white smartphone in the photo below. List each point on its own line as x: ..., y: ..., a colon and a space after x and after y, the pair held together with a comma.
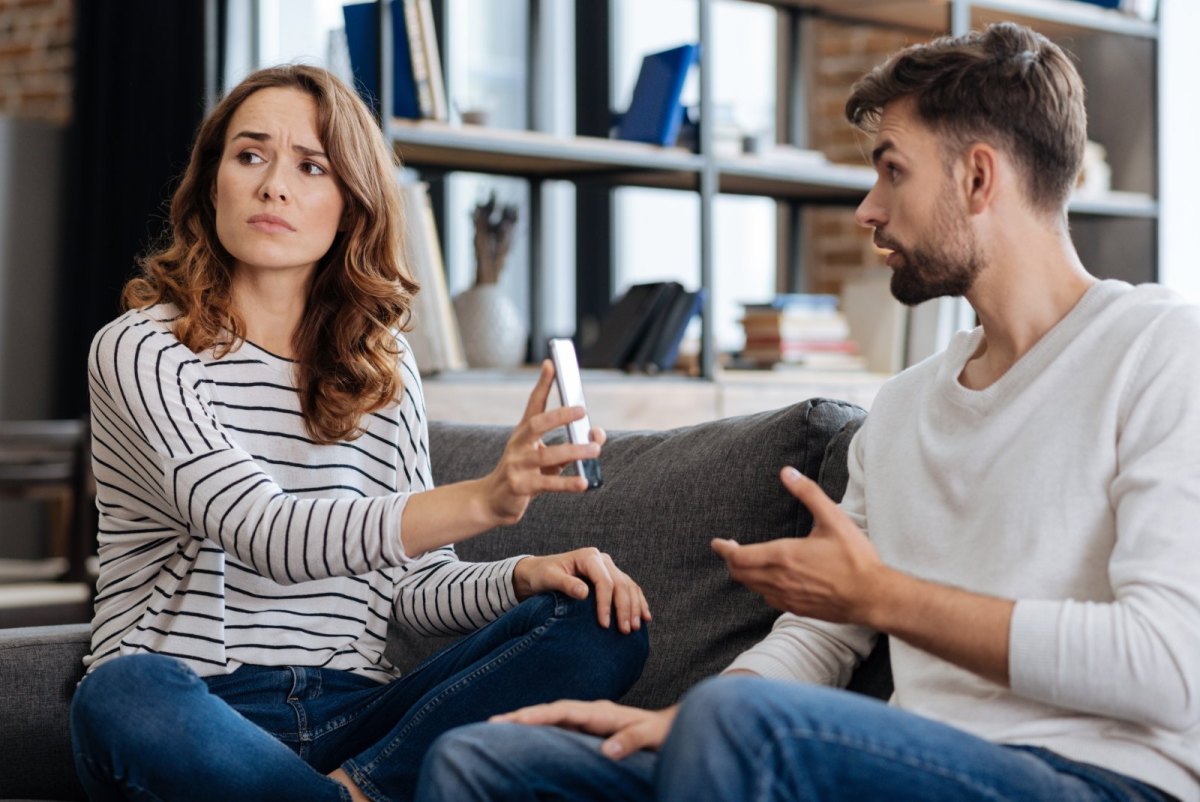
x: 570, y: 393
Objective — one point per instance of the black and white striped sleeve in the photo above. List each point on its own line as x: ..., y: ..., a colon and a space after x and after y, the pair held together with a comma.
x: 154, y: 394
x: 440, y: 594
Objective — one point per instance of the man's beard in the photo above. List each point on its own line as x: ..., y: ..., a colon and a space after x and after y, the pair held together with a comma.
x: 947, y: 267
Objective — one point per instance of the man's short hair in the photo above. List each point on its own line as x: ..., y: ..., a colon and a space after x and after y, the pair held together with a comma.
x: 1008, y: 86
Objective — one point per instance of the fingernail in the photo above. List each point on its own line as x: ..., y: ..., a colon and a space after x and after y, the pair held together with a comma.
x: 612, y: 748
x: 791, y: 473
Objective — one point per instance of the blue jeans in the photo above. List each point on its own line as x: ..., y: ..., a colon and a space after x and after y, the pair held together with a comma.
x: 147, y: 727
x: 753, y: 740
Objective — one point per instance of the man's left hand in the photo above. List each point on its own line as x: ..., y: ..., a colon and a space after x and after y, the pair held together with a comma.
x: 830, y: 575
x: 566, y: 573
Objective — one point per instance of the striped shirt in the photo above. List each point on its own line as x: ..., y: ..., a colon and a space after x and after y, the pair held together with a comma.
x: 227, y: 536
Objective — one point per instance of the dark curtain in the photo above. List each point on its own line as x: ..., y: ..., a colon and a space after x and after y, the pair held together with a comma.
x: 139, y: 98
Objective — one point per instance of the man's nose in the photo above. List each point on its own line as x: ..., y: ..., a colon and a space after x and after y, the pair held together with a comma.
x: 870, y: 213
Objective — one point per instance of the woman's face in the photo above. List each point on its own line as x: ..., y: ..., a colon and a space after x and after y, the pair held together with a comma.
x: 278, y: 203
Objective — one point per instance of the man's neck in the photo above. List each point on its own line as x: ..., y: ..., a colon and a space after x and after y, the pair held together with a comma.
x: 271, y: 305
x: 1032, y: 280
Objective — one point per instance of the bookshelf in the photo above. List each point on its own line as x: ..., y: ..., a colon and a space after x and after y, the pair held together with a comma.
x: 1117, y: 56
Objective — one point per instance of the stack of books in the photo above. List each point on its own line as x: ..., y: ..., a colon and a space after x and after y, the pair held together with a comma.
x: 644, y: 328
x: 418, y: 90
x: 799, y: 329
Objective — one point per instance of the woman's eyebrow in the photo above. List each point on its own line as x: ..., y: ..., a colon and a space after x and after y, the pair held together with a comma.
x: 261, y: 137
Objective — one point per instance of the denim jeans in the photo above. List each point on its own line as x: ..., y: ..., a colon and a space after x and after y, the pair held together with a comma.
x: 753, y: 740
x: 147, y: 727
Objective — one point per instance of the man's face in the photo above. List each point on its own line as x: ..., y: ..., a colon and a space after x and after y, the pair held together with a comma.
x: 918, y: 211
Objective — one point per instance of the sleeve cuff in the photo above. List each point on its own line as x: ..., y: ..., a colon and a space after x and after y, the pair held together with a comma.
x: 1033, y: 648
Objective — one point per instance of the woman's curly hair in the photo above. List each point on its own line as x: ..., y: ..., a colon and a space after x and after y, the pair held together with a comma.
x: 361, y: 293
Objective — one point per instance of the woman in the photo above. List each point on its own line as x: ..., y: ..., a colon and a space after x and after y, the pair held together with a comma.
x: 262, y: 465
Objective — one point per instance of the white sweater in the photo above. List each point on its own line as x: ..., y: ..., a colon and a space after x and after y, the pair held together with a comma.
x: 1072, y: 485
x: 228, y: 537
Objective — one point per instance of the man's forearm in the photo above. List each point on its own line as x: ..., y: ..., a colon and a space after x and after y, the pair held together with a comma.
x: 968, y: 629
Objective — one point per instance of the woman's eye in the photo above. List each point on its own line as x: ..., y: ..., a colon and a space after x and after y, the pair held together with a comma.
x: 249, y: 157
x: 312, y: 168
x: 893, y: 172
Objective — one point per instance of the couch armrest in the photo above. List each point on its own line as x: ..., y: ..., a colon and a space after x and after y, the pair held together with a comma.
x: 39, y: 668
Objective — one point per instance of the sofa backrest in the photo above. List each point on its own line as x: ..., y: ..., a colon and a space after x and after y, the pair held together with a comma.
x: 666, y: 494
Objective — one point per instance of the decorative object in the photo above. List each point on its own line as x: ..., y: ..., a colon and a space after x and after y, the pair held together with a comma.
x: 494, y: 335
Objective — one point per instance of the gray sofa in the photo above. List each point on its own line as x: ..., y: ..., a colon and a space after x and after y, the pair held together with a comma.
x: 665, y: 495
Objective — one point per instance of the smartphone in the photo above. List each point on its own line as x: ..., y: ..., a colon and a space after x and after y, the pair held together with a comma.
x: 570, y: 393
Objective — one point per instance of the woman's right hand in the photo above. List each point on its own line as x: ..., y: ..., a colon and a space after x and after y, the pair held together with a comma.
x: 528, y: 466
x: 455, y: 512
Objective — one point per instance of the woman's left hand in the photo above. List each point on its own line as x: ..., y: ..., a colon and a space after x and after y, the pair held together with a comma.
x: 566, y: 573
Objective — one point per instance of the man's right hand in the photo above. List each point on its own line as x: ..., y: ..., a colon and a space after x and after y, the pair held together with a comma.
x: 625, y: 729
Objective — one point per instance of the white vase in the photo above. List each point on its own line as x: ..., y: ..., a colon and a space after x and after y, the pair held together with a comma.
x: 493, y: 333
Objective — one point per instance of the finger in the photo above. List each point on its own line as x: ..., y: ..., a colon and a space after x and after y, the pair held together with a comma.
x: 558, y: 456
x: 541, y: 391
x: 643, y: 734
x: 822, y: 507
x: 599, y: 435
x: 554, y: 483
x: 599, y: 718
x: 623, y: 599
x: 595, y: 569
x: 548, y: 421
x: 646, y: 615
x: 757, y: 555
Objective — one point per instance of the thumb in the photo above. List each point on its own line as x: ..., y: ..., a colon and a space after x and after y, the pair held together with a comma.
x: 564, y: 581
x: 809, y: 493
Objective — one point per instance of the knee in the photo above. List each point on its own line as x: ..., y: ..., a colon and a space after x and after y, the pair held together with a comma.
x: 622, y: 655
x: 464, y: 764
x: 106, y: 699
x: 731, y: 710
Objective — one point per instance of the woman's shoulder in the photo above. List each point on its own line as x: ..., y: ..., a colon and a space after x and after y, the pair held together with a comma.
x: 135, y: 328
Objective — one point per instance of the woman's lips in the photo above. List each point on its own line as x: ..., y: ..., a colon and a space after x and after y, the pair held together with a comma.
x: 270, y: 224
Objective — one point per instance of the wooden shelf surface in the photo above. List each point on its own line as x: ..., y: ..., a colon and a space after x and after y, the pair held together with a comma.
x: 1054, y: 18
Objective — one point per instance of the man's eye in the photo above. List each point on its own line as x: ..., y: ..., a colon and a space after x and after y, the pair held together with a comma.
x: 249, y: 157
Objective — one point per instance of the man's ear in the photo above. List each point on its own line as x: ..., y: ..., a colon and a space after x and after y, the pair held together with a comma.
x: 980, y: 162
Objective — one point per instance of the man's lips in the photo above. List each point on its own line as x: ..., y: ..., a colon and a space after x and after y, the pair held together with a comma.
x: 269, y: 223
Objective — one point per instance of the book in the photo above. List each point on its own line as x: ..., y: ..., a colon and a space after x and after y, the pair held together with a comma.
x: 796, y: 301
x: 440, y: 109
x: 658, y: 318
x: 665, y: 352
x: 655, y: 111
x: 435, y: 337
x: 624, y: 326
x: 363, y: 42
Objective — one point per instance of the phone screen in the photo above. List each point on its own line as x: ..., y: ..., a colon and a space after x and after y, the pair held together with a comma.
x: 570, y: 393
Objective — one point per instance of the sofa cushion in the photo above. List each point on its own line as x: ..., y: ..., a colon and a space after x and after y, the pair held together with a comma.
x: 666, y: 494
x: 39, y: 667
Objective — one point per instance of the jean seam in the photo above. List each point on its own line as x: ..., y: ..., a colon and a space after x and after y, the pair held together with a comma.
x: 420, y: 715
x: 779, y: 735
x: 362, y: 778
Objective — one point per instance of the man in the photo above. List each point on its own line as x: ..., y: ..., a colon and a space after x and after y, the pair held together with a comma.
x: 1032, y: 496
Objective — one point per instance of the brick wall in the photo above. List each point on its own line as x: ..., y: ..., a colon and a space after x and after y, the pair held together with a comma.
x: 838, y: 246
x: 36, y: 58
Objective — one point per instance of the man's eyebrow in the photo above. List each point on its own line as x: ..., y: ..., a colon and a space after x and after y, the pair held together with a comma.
x: 260, y: 137
x: 880, y: 149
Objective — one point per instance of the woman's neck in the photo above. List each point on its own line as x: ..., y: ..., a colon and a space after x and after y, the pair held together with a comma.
x: 271, y: 305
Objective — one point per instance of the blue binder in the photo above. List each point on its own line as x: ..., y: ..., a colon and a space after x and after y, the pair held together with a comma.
x: 363, y: 39
x: 655, y: 112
